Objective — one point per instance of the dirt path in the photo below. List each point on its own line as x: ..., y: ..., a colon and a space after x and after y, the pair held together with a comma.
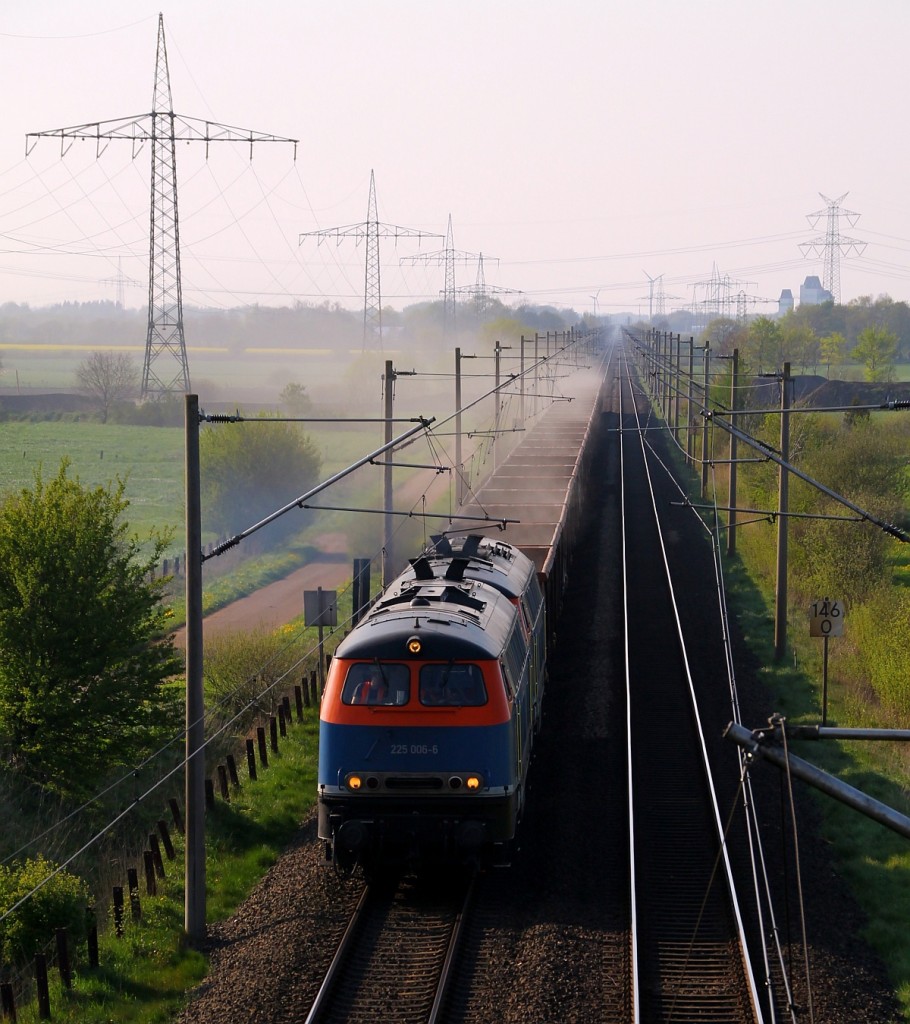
x: 275, y: 604
x: 280, y: 602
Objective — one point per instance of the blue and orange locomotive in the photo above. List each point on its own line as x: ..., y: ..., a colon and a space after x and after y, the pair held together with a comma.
x: 430, y: 710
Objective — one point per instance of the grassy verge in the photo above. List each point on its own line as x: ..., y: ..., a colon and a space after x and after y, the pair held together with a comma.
x: 144, y: 976
x: 874, y: 860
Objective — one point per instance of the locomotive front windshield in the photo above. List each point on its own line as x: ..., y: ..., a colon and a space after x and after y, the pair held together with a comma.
x: 452, y: 686
x: 377, y: 683
x: 437, y: 685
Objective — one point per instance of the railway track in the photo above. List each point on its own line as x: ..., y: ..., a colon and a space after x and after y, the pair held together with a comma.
x: 397, y: 955
x: 689, y: 954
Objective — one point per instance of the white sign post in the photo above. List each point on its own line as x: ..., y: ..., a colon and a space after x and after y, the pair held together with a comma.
x: 826, y: 619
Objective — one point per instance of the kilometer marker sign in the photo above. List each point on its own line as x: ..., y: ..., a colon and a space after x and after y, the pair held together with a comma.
x: 826, y: 618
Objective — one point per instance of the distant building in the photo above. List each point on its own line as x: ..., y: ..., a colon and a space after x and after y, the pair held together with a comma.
x: 785, y: 302
x: 811, y: 293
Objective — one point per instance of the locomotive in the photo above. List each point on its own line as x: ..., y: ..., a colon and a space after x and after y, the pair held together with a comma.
x: 430, y: 710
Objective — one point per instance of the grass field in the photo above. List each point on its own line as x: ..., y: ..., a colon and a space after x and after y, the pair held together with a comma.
x: 151, y: 462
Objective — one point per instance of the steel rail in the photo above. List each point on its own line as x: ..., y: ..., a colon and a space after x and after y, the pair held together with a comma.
x: 451, y: 958
x: 338, y: 959
x: 724, y: 854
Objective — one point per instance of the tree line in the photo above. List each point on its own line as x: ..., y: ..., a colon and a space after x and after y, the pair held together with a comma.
x: 872, y: 334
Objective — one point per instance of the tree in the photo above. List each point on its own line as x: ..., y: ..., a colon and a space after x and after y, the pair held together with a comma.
x: 876, y: 349
x: 799, y: 344
x: 719, y: 334
x: 294, y: 399
x: 108, y: 377
x: 252, y: 469
x: 833, y: 349
x: 764, y: 344
x: 82, y: 677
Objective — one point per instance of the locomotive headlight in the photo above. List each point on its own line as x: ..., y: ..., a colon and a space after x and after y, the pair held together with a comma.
x: 473, y: 783
x: 414, y: 645
x: 354, y: 782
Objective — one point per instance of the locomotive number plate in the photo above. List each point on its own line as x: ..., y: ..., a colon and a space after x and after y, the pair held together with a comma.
x: 413, y: 748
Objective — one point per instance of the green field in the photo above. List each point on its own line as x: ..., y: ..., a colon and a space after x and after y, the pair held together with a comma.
x: 148, y: 459
x: 151, y: 462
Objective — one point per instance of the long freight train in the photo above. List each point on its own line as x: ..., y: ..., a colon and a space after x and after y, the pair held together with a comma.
x: 430, y: 710
x: 433, y: 700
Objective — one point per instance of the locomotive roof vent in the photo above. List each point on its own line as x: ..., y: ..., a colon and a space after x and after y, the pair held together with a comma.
x: 420, y: 602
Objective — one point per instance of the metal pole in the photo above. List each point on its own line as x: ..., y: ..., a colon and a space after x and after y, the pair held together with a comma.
x: 459, y: 486
x: 497, y: 349
x: 780, y: 600
x: 521, y: 391
x: 801, y: 769
x: 675, y: 393
x: 536, y: 370
x: 690, y: 419
x: 825, y: 684
x: 731, y: 532
x: 704, y: 430
x: 194, y: 781
x: 387, y: 540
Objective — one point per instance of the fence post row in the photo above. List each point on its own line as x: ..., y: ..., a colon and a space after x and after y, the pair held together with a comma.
x: 305, y: 695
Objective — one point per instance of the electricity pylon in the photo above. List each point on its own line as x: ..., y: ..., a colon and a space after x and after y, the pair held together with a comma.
x: 120, y: 281
x: 447, y: 257
x: 165, y: 370
x: 371, y: 230
x: 480, y: 291
x: 832, y: 245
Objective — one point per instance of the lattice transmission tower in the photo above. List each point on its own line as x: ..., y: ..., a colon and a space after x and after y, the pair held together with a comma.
x: 370, y: 230
x: 165, y: 369
x: 832, y: 245
x: 480, y: 292
x: 446, y: 257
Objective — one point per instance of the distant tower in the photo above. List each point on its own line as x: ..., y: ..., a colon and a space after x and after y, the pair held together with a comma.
x: 165, y: 370
x: 448, y: 257
x: 832, y: 245
x: 481, y: 292
x: 372, y: 231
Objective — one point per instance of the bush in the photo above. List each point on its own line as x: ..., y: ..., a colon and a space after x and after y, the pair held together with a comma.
x: 240, y: 667
x: 878, y: 632
x: 61, y: 903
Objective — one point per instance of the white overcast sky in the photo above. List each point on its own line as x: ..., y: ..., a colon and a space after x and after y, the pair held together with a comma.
x: 584, y: 144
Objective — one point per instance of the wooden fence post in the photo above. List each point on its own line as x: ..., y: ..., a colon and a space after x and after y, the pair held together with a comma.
x: 251, y: 759
x: 132, y: 877
x: 118, y: 910
x: 156, y: 855
x: 176, y: 815
x: 8, y: 1002
x: 63, y: 958
x: 151, y: 885
x: 44, y: 996
x: 166, y: 840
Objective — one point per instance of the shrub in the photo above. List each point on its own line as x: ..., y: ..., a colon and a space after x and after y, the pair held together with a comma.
x: 878, y: 631
x: 60, y: 903
x: 240, y: 667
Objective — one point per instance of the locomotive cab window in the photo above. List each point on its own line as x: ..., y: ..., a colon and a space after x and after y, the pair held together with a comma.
x: 373, y: 683
x: 452, y: 686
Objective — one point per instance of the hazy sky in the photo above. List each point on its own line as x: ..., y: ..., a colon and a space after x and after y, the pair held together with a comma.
x: 584, y: 144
